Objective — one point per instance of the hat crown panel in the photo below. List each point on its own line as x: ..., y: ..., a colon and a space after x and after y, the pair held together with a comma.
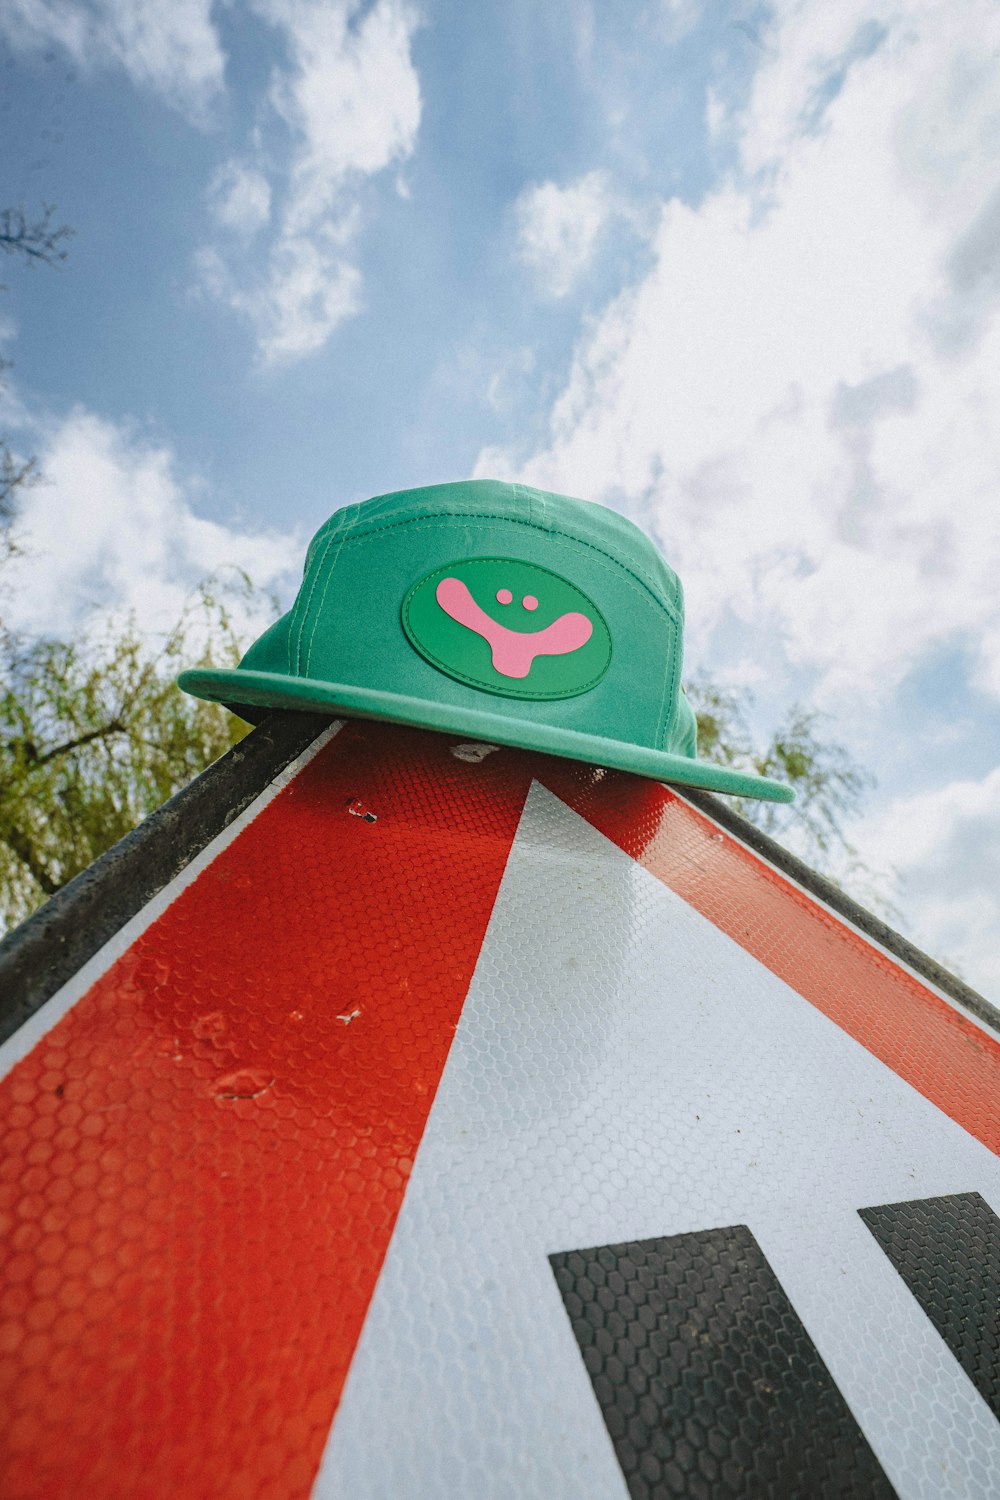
x: 347, y: 625
x: 588, y: 523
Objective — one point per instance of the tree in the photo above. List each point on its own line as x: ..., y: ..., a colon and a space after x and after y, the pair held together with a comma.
x: 15, y: 475
x: 37, y: 241
x: 93, y: 732
x: 830, y: 786
x: 94, y: 735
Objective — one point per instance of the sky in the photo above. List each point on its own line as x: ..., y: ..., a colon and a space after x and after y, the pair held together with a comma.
x: 732, y: 269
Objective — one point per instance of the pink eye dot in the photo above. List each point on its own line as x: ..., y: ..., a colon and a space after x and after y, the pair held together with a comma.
x: 504, y: 596
x: 529, y: 602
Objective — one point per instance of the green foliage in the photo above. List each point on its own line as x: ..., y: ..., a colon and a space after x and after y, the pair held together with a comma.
x: 829, y: 786
x: 94, y: 735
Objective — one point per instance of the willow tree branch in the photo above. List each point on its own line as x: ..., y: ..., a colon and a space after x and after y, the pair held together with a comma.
x: 37, y: 757
x: 21, y: 847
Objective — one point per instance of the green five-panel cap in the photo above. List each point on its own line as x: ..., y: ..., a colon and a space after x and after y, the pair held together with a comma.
x: 492, y: 611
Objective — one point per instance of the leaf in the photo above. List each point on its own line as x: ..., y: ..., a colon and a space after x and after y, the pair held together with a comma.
x: 94, y: 735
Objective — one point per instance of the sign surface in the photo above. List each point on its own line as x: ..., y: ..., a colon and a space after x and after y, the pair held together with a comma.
x: 467, y: 1122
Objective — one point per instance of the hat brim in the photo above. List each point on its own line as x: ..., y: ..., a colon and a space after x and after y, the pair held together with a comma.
x: 268, y: 690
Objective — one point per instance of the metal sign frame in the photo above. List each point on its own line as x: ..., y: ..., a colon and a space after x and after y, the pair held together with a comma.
x: 54, y: 943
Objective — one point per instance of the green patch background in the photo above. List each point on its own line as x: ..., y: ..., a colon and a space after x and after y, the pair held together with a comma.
x: 463, y: 654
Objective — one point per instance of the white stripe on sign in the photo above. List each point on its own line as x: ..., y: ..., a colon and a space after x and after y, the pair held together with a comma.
x: 621, y: 1071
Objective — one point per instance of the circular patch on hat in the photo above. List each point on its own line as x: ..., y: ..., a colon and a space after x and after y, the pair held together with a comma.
x: 508, y: 627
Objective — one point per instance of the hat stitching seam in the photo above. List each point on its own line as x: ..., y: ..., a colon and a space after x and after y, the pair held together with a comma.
x: 428, y: 520
x: 668, y: 696
x: 307, y: 607
x: 322, y: 600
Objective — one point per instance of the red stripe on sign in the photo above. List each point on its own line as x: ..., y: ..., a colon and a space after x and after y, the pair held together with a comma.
x: 922, y: 1038
x: 205, y: 1158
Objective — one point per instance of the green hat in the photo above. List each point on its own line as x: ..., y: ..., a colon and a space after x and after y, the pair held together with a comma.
x: 492, y: 611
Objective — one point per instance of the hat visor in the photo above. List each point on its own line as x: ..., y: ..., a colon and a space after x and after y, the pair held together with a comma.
x: 269, y: 690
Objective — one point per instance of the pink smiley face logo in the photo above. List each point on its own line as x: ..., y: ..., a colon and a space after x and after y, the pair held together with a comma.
x: 503, y: 625
x: 513, y: 651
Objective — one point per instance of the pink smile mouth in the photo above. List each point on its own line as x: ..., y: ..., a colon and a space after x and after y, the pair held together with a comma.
x: 513, y: 651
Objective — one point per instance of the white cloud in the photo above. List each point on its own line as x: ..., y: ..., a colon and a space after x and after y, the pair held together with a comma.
x: 352, y: 96
x: 802, y: 397
x: 312, y: 287
x: 350, y: 100
x: 504, y: 386
x: 240, y: 198
x: 558, y: 229
x: 344, y: 108
x: 801, y: 401
x: 172, y: 48
x: 113, y: 528
x: 680, y: 17
x: 716, y: 115
x: 945, y: 846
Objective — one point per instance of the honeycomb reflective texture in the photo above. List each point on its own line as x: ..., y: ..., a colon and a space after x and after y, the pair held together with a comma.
x: 204, y: 1159
x: 709, y: 1384
x: 947, y: 1057
x: 624, y: 1071
x: 306, y: 1146
x: 947, y: 1250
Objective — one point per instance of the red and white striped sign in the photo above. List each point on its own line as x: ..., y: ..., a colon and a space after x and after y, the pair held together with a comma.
x: 300, y: 1168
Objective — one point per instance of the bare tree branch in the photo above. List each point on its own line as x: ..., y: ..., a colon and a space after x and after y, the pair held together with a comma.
x: 38, y: 240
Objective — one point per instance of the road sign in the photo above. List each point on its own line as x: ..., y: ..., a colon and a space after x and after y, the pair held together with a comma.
x: 463, y: 1122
